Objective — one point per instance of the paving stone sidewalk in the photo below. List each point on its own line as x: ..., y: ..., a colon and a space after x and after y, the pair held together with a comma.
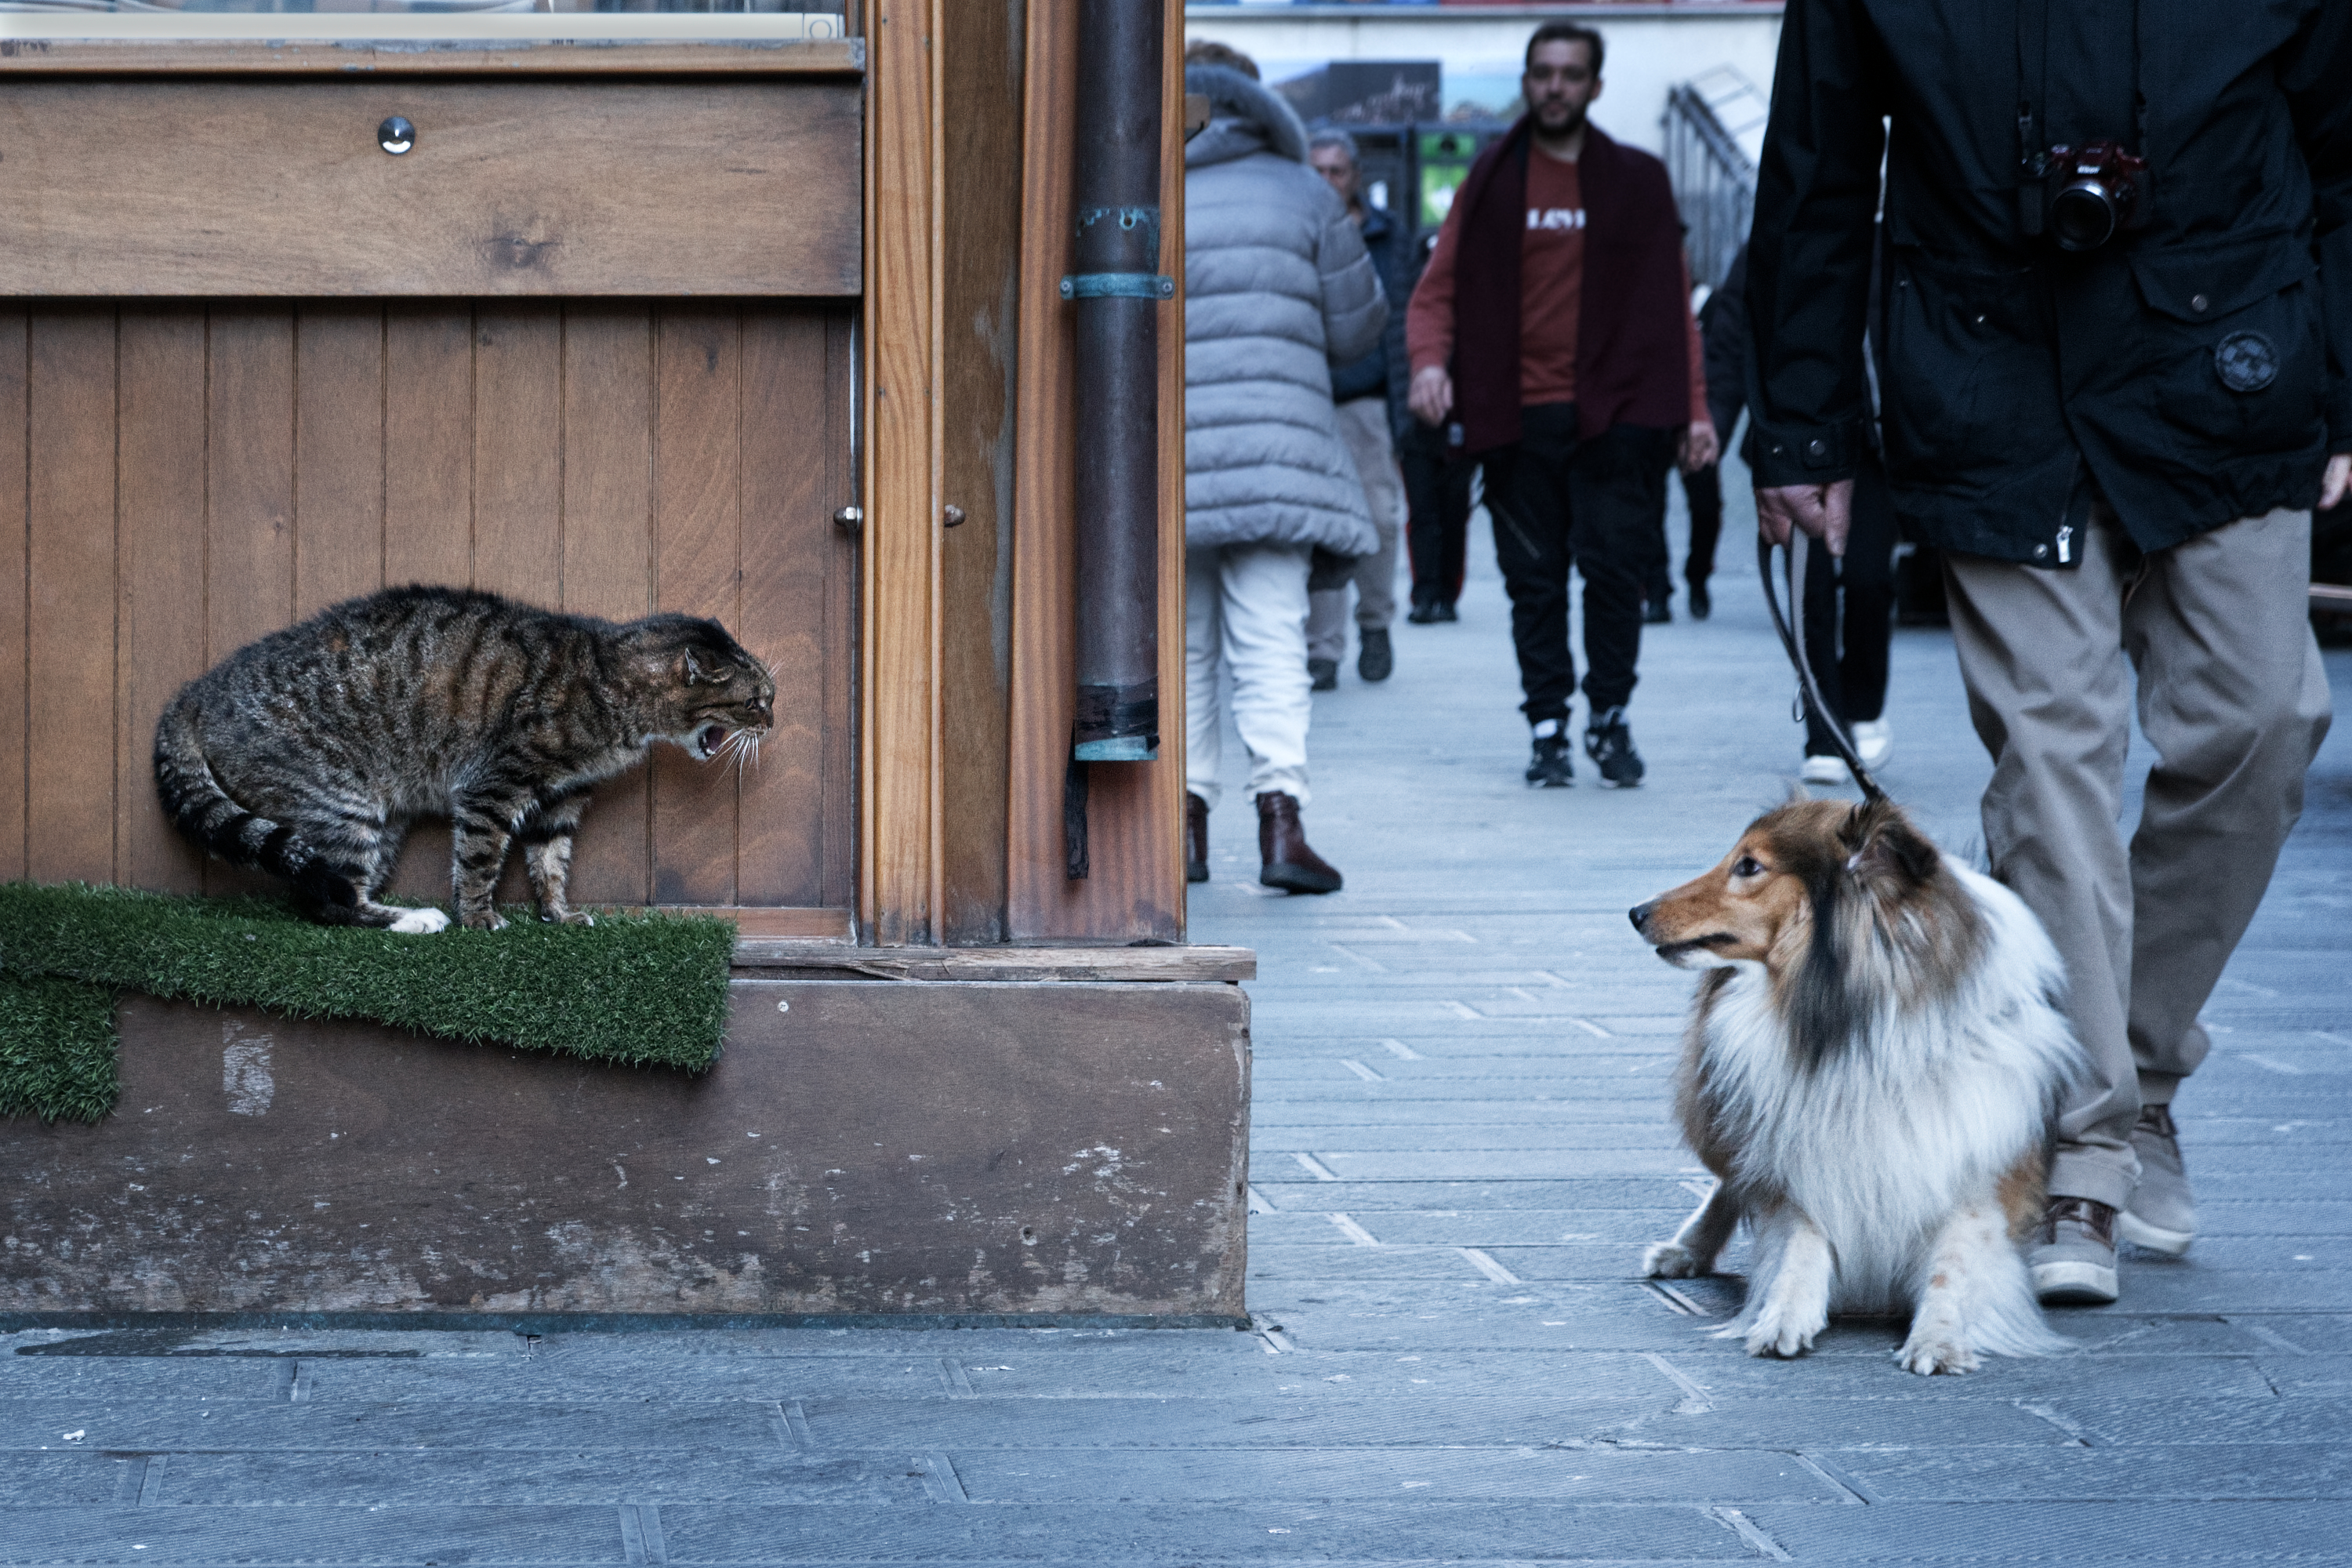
x: 1461, y: 1141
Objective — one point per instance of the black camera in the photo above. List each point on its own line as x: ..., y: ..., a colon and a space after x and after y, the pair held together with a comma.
x: 2089, y: 194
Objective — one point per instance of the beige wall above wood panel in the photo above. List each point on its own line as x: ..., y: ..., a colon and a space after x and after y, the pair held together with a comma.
x: 179, y: 187
x: 177, y: 479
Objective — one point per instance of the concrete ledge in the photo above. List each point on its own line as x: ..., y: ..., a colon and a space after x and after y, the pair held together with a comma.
x: 958, y: 1150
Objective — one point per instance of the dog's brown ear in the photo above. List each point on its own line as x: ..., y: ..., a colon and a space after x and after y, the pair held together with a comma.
x: 1881, y: 842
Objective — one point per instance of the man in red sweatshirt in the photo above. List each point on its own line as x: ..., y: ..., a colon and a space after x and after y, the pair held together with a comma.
x: 1554, y: 325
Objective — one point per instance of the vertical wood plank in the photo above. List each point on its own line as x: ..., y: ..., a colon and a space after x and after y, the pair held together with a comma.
x: 160, y: 599
x: 15, y: 583
x: 428, y: 435
x: 980, y: 321
x: 70, y: 502
x: 1038, y: 894
x: 518, y: 470
x: 698, y: 541
x: 339, y: 474
x: 787, y: 561
x: 898, y: 842
x: 841, y: 630
x: 518, y: 452
x: 607, y: 552
x: 1135, y: 812
x: 249, y: 508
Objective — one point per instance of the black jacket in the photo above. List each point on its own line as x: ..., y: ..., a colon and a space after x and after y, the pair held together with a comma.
x: 1723, y: 341
x: 1384, y: 372
x: 2195, y: 371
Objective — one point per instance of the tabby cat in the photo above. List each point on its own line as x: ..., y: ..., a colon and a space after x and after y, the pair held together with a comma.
x: 307, y: 753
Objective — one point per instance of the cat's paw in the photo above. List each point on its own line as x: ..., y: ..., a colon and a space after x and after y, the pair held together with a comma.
x: 420, y: 922
x: 489, y: 920
x: 1672, y: 1260
x: 567, y: 918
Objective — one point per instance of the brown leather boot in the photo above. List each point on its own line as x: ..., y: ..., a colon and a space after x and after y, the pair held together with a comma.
x: 1196, y: 838
x: 1282, y: 844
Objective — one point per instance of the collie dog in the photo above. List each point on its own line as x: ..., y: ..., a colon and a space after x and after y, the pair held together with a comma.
x: 1870, y: 1069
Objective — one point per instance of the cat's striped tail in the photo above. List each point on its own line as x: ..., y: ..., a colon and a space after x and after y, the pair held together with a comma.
x: 203, y: 812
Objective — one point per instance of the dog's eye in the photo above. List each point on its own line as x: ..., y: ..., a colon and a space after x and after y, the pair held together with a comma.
x: 1746, y: 866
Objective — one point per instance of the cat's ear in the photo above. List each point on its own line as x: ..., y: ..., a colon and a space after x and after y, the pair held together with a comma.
x: 695, y: 674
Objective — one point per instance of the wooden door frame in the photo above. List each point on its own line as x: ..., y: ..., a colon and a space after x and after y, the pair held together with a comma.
x: 912, y: 358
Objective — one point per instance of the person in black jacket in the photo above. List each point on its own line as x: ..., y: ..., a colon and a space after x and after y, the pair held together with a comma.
x: 1369, y: 393
x: 2119, y: 326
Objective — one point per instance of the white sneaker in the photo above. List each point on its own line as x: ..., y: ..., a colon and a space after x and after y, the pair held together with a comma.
x: 1824, y: 771
x: 1873, y: 742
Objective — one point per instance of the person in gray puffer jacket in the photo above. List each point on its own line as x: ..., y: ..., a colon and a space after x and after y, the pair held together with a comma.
x: 1277, y: 290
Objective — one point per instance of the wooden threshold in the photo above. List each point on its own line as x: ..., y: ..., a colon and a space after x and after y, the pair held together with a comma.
x: 1202, y: 964
x: 399, y: 58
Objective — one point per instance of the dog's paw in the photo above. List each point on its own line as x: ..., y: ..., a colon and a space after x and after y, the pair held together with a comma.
x: 1671, y: 1260
x: 1779, y: 1332
x: 419, y: 922
x: 1930, y: 1353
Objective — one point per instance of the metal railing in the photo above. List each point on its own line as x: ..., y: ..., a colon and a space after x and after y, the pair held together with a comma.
x: 1714, y: 180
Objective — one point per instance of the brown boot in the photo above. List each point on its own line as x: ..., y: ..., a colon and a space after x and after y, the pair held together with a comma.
x: 1196, y: 838
x: 1282, y: 844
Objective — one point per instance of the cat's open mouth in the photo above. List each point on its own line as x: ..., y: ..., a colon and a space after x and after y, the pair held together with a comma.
x: 708, y: 740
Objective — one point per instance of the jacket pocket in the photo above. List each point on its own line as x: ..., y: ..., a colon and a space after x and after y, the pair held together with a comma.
x: 2232, y: 360
x: 1969, y: 388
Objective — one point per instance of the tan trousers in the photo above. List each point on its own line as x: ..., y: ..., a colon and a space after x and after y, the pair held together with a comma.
x: 1364, y: 425
x: 2233, y: 698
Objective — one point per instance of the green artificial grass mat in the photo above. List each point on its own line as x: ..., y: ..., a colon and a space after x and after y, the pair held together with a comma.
x: 57, y: 1049
x: 640, y: 990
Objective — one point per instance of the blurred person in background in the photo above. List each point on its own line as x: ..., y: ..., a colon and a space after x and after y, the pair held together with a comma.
x: 1369, y: 394
x: 1276, y: 289
x: 1574, y: 371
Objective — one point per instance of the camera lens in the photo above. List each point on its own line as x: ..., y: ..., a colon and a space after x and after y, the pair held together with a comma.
x: 2083, y: 217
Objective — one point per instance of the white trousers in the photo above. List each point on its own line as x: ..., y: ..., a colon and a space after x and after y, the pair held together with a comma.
x: 1246, y: 604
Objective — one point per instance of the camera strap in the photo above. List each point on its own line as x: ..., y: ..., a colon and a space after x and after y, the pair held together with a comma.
x: 1792, y: 639
x: 2033, y: 95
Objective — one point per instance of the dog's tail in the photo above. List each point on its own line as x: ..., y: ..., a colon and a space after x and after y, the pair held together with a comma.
x: 203, y: 811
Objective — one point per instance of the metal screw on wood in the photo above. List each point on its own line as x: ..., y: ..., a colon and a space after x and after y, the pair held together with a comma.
x: 849, y: 518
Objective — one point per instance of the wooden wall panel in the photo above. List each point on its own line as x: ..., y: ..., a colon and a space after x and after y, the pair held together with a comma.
x: 1135, y: 890
x: 160, y: 590
x: 901, y: 887
x: 69, y: 516
x: 788, y: 501
x: 15, y: 586
x: 338, y: 454
x: 428, y: 413
x: 518, y: 452
x: 250, y: 512
x: 697, y: 571
x: 980, y: 322
x: 278, y: 189
x: 199, y: 476
x: 607, y: 560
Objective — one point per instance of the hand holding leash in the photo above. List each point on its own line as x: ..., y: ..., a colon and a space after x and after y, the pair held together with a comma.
x: 1825, y: 511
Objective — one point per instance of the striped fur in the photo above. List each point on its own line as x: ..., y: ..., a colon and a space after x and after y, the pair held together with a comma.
x: 309, y: 754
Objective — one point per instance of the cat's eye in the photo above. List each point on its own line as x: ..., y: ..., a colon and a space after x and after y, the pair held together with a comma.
x: 1746, y: 866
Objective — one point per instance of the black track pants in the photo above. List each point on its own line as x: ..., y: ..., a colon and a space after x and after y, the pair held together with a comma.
x: 1558, y: 503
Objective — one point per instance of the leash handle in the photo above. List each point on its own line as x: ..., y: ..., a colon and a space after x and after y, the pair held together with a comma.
x: 1792, y: 641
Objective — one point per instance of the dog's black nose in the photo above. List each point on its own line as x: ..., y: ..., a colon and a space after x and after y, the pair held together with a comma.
x: 1639, y: 913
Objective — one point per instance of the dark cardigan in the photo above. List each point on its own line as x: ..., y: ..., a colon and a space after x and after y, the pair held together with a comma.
x: 1633, y: 338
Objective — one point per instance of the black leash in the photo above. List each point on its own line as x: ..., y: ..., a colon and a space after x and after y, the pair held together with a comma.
x: 1793, y: 641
